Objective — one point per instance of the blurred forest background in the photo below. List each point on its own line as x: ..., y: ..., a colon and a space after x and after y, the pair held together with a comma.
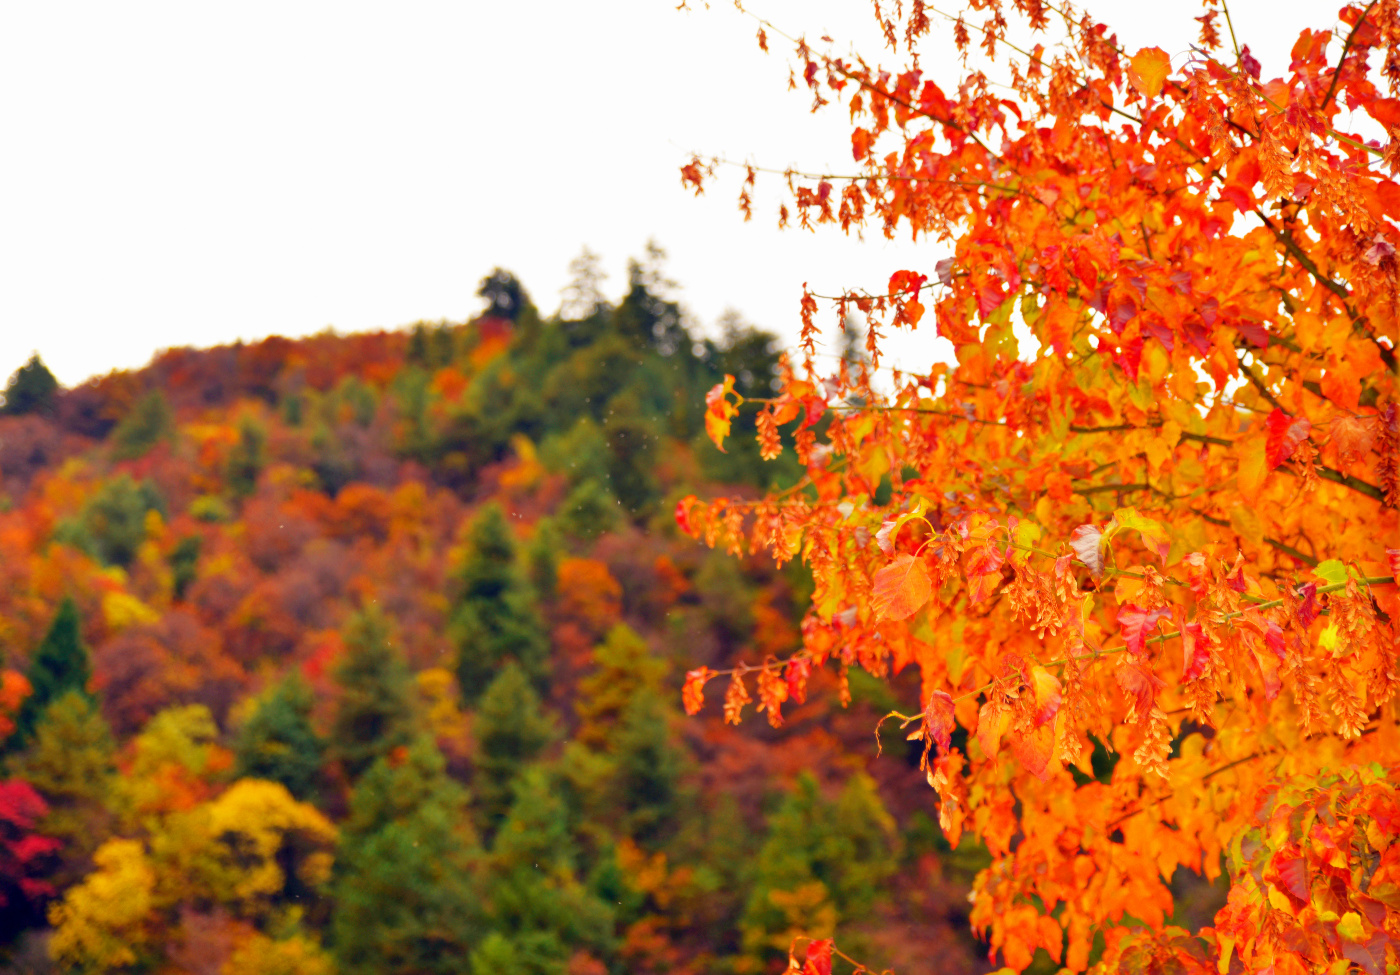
x: 361, y: 654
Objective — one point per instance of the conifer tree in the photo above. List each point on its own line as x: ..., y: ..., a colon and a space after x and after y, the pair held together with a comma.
x: 59, y: 664
x: 496, y: 617
x: 510, y: 730
x: 376, y: 712
x: 31, y: 389
x: 540, y: 912
x: 279, y: 744
x: 404, y: 896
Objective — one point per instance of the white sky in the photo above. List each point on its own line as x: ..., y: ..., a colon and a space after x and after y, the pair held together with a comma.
x: 191, y: 173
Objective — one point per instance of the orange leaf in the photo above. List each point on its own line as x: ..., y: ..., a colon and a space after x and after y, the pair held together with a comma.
x: 1048, y: 695
x: 1148, y: 70
x: 719, y: 411
x: 1385, y: 111
x: 901, y: 588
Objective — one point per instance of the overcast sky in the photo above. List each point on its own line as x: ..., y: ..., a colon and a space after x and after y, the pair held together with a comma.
x: 189, y: 174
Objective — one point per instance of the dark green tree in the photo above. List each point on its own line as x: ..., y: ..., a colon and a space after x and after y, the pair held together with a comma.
x: 540, y: 911
x: 247, y: 457
x: 59, y: 664
x: 405, y: 903
x: 278, y: 742
x: 377, y: 710
x: 147, y: 423
x: 184, y: 563
x: 505, y: 295
x: 496, y: 617
x: 31, y: 389
x: 510, y: 730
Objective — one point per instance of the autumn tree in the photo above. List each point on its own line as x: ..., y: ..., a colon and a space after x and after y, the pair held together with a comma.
x: 1148, y: 503
x: 59, y: 664
x: 71, y: 761
x: 496, y: 618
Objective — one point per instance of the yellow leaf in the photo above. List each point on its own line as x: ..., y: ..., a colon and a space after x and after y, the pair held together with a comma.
x: 1349, y: 926
x: 1148, y: 70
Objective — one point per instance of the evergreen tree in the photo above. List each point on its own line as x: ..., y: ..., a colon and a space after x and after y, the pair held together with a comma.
x: 822, y: 862
x: 60, y: 664
x: 31, y: 389
x: 540, y: 912
x: 623, y: 666
x: 246, y: 459
x: 148, y: 422
x: 505, y: 295
x: 496, y: 618
x: 376, y: 712
x: 649, y: 766
x: 404, y: 897
x: 510, y: 730
x: 278, y: 742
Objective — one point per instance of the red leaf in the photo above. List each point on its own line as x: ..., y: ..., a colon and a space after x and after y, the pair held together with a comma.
x: 1141, y: 684
x: 1307, y: 602
x: 938, y: 720
x: 1136, y: 623
x: 818, y: 957
x: 1285, y: 433
x: 798, y: 669
x: 901, y: 588
x: 1034, y: 748
x: 1293, y: 877
x: 1195, y: 652
x: 989, y: 297
x: 683, y: 513
x: 1370, y: 954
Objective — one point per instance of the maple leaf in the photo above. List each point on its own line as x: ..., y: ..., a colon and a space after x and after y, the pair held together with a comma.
x: 1285, y: 433
x: 1148, y: 70
x: 992, y: 721
x: 901, y: 588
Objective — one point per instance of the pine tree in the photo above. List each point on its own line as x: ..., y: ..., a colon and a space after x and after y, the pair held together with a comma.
x: 376, y: 712
x: 404, y: 897
x: 31, y: 389
x: 497, y: 617
x: 59, y: 664
x: 278, y: 742
x: 510, y: 730
x: 540, y: 911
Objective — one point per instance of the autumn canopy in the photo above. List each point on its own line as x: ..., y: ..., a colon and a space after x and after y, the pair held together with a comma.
x: 1140, y: 541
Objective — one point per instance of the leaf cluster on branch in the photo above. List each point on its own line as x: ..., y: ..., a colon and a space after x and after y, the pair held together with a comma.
x: 1151, y: 508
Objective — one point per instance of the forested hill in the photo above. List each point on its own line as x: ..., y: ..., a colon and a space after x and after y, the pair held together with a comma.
x: 361, y: 654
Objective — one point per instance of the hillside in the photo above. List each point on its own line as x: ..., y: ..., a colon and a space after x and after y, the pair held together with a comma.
x: 362, y: 653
